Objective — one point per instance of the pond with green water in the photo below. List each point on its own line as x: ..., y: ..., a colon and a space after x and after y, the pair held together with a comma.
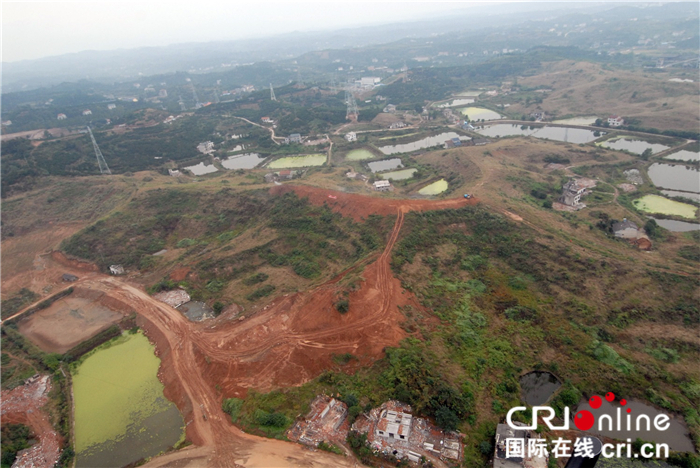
x: 434, y: 188
x: 120, y: 412
x: 298, y: 161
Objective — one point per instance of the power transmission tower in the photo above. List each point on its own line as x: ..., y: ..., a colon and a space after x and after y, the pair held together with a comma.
x: 352, y: 112
x: 100, y: 159
x: 216, y: 95
x: 334, y: 85
x: 272, y: 93
x: 197, y: 104
x: 183, y: 107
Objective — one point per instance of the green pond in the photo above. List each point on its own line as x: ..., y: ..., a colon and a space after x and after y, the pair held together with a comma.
x: 120, y: 412
x: 359, y: 155
x: 434, y: 188
x: 479, y: 113
x: 298, y: 161
x: 657, y: 204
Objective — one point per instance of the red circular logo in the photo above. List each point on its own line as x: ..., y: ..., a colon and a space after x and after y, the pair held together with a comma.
x: 595, y: 402
x: 623, y: 402
x: 584, y: 420
x: 610, y: 396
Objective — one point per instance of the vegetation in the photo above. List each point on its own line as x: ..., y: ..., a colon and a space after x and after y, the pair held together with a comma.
x: 21, y: 299
x: 15, y: 437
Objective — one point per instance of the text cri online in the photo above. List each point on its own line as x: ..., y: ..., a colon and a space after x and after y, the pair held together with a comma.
x: 582, y: 447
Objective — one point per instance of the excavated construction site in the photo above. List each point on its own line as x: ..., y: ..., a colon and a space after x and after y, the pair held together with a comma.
x: 288, y: 343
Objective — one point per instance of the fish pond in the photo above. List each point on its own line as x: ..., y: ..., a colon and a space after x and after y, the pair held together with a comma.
x: 661, y: 205
x: 676, y: 436
x: 565, y: 134
x: 201, y: 169
x: 684, y: 155
x: 577, y: 120
x: 479, y: 113
x: 427, y: 142
x: 242, y: 161
x: 298, y: 161
x: 538, y: 386
x: 359, y: 155
x: 677, y: 226
x: 675, y: 177
x: 385, y: 165
x: 399, y: 175
x: 456, y: 103
x: 120, y: 412
x: 632, y: 145
x: 434, y: 188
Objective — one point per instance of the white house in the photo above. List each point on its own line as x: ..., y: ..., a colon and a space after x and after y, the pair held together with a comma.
x: 61, y: 117
x: 352, y: 136
x: 615, y: 121
x: 111, y: 106
x: 382, y: 186
x: 87, y: 112
x: 206, y: 147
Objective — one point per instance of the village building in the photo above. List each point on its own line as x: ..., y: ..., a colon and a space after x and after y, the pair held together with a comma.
x: 480, y: 141
x: 397, y: 125
x: 116, y: 269
x: 352, y: 136
x: 571, y: 193
x: 6, y: 123
x: 87, y: 112
x: 389, y: 109
x: 368, y: 82
x: 325, y: 422
x: 294, y: 138
x: 67, y: 277
x: 61, y: 117
x: 615, y: 121
x: 163, y: 93
x: 382, y: 186
x: 174, y: 172
x: 206, y: 147
x: 267, y: 120
x: 111, y: 106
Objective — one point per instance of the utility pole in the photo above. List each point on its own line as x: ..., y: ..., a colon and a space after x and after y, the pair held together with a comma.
x: 272, y: 93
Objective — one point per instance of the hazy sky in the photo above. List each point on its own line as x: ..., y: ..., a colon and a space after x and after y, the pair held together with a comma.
x: 38, y: 29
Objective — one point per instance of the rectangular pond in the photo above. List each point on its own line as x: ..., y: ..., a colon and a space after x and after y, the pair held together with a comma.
x: 399, y: 175
x: 675, y: 177
x: 427, y: 142
x: 577, y: 120
x: 120, y: 412
x: 201, y: 169
x: 385, y: 165
x: 456, y: 103
x: 565, y: 134
x: 298, y: 161
x: 359, y: 155
x: 242, y: 161
x: 657, y: 204
x: 677, y: 226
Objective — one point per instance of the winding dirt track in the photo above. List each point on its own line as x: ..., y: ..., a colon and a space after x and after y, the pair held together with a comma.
x: 289, y: 342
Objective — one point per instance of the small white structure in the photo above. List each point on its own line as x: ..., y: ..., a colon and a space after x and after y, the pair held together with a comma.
x: 61, y: 117
x: 111, y: 106
x: 174, y: 172
x: 162, y: 93
x: 626, y: 229
x: 571, y: 193
x: 267, y: 120
x: 352, y: 136
x: 87, y: 112
x: 368, y: 81
x: 206, y: 147
x: 382, y: 186
x: 615, y: 121
x: 397, y: 125
x: 116, y: 269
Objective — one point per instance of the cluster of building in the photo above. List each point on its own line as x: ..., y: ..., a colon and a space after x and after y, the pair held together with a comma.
x: 615, y: 121
x: 293, y: 138
x: 500, y: 457
x: 367, y: 82
x: 352, y: 136
x: 396, y: 125
x: 573, y: 190
x: 391, y: 430
x: 382, y: 186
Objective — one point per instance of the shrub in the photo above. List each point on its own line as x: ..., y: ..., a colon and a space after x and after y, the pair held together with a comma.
x: 260, y: 292
x: 218, y: 307
x: 342, y: 306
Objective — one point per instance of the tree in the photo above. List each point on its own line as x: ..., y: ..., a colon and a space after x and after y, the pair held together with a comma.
x: 446, y: 418
x: 218, y: 307
x: 646, y: 154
